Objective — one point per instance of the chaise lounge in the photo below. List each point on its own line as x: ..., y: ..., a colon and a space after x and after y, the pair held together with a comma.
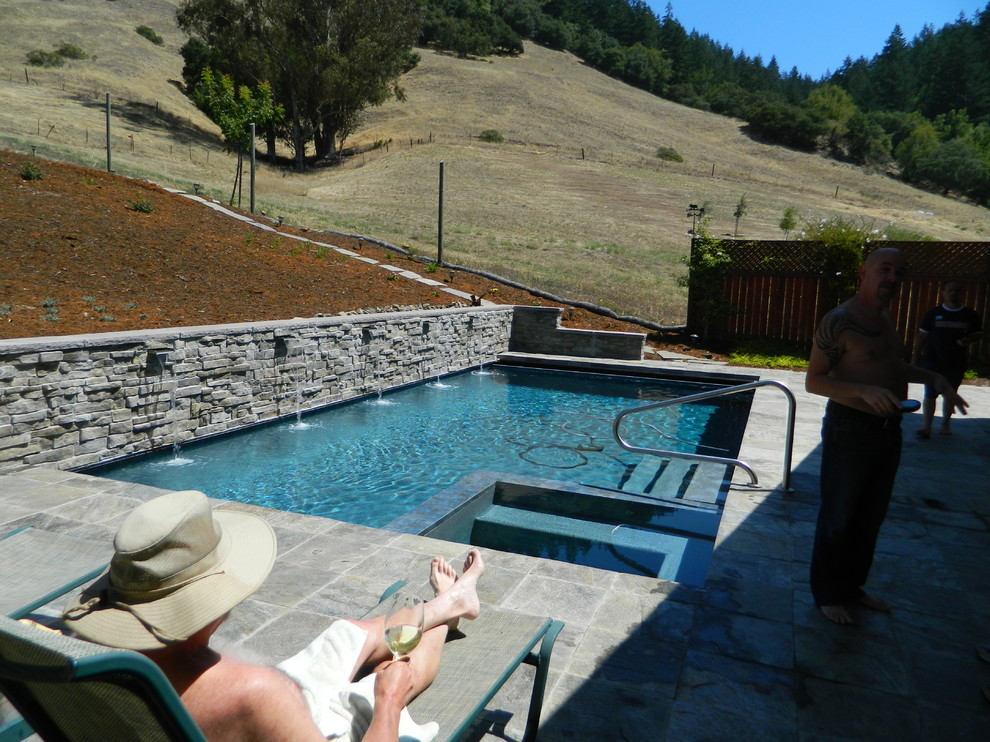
x: 66, y: 688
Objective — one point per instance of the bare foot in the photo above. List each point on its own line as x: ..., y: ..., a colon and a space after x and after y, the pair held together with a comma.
x: 442, y: 575
x: 874, y: 603
x: 467, y: 583
x: 837, y: 614
x: 457, y: 597
x: 473, y: 566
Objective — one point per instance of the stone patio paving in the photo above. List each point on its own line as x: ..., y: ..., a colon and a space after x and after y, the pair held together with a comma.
x: 746, y: 657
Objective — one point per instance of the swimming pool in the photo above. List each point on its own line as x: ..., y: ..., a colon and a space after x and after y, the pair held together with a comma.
x: 369, y: 461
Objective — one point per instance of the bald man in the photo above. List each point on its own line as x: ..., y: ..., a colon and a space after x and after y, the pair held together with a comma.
x: 858, y: 362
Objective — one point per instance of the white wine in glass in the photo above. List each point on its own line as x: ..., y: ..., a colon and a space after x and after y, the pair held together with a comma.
x: 403, y: 624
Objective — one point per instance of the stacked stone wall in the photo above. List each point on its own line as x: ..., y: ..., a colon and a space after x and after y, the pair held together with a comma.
x: 82, y: 400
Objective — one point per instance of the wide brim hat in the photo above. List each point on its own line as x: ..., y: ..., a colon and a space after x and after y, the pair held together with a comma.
x: 178, y: 566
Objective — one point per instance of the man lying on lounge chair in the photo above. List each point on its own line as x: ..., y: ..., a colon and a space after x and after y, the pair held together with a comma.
x: 177, y: 571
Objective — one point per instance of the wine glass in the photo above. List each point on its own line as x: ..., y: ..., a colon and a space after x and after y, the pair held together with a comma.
x: 403, y: 624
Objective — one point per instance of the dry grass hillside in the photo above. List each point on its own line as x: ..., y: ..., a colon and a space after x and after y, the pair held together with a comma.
x: 574, y: 200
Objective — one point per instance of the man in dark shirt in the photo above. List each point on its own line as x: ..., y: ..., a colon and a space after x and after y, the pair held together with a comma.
x: 941, y: 345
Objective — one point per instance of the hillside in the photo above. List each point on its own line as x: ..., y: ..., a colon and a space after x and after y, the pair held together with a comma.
x: 84, y: 251
x: 574, y: 200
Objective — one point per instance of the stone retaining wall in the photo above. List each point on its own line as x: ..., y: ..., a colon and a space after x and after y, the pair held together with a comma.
x: 81, y: 400
x: 538, y: 330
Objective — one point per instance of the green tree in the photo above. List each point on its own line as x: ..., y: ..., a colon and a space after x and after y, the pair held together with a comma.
x: 788, y: 221
x: 866, y: 141
x: 233, y: 108
x: 740, y: 211
x: 843, y: 246
x: 957, y: 166
x: 785, y: 124
x: 327, y: 60
x: 834, y: 107
x: 915, y: 149
x: 893, y: 75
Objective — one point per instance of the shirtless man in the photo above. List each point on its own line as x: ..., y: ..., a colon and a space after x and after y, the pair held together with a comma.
x: 177, y: 571
x: 857, y: 361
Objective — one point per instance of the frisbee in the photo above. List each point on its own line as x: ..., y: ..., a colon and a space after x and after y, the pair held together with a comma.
x: 910, y: 405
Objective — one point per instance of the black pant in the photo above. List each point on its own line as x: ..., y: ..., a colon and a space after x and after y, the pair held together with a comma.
x: 860, y: 455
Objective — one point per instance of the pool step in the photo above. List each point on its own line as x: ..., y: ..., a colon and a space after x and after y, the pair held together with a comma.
x: 669, y: 556
x: 677, y: 478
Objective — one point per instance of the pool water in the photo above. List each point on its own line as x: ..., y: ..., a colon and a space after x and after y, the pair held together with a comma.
x: 367, y: 462
x: 609, y: 530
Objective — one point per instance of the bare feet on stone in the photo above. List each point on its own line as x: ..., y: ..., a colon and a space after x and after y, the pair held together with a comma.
x: 837, y: 614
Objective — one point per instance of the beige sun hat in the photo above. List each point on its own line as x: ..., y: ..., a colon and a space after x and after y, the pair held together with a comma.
x: 177, y: 566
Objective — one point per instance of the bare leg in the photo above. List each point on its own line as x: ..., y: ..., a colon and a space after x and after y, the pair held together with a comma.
x: 456, y: 598
x: 947, y: 410
x: 928, y: 410
x: 461, y: 600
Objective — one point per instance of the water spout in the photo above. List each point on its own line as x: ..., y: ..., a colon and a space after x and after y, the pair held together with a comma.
x: 173, y: 416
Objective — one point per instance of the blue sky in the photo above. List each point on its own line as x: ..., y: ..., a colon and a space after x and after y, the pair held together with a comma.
x: 813, y: 36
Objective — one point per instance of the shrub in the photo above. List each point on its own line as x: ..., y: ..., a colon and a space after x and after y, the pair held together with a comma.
x: 142, y: 204
x: 707, y: 265
x: 65, y: 50
x: 491, y: 135
x: 669, y: 154
x: 150, y: 34
x: 70, y: 51
x: 40, y: 58
x: 30, y: 171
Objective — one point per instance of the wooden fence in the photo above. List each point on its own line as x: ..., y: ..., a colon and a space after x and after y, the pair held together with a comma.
x: 787, y: 301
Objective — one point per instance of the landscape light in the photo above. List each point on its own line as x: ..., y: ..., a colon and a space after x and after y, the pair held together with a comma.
x: 695, y: 212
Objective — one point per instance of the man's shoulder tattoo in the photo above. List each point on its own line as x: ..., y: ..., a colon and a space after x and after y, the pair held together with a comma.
x: 832, y: 326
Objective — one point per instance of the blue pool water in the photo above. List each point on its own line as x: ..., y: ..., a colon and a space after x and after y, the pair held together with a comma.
x: 369, y: 461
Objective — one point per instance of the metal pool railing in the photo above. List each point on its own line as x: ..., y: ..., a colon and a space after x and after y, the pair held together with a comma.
x: 754, y: 480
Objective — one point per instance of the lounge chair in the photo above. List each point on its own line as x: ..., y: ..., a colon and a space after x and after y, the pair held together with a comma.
x: 37, y: 566
x: 475, y: 664
x: 68, y: 689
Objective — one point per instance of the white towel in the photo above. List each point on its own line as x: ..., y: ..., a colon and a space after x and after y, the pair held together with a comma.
x: 342, y: 709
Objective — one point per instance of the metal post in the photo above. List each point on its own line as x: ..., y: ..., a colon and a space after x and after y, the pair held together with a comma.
x: 109, y: 164
x: 252, y: 167
x: 440, y: 220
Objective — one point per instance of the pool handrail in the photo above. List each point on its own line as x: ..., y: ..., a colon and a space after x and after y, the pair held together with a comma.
x: 754, y: 480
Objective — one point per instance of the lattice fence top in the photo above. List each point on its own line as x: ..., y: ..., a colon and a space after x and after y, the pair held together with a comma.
x: 926, y: 260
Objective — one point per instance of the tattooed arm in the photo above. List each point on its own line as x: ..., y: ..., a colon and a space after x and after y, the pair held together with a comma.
x: 848, y: 364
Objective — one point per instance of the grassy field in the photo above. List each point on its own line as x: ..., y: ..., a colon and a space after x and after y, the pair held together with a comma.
x: 574, y: 201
